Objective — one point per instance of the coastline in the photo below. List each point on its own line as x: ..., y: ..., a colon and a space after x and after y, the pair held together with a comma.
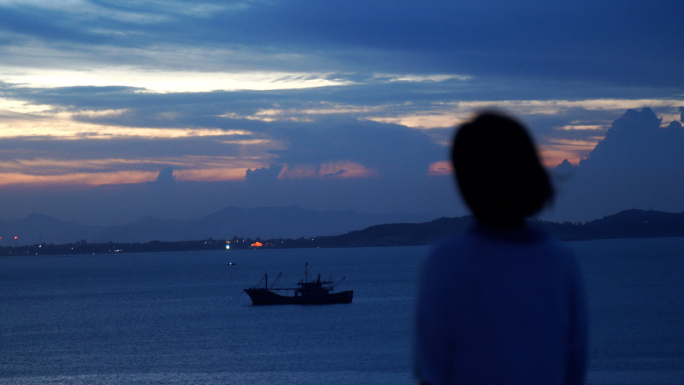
x: 623, y: 225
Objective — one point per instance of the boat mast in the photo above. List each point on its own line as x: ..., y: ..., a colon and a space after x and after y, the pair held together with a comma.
x: 266, y: 278
x: 306, y: 272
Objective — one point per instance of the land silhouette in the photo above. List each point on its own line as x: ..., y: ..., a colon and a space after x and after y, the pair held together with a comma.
x: 625, y: 224
x: 266, y: 222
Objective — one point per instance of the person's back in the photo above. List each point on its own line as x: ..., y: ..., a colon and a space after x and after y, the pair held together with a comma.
x: 500, y: 307
x: 503, y: 302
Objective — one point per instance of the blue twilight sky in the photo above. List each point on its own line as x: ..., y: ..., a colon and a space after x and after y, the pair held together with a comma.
x: 330, y: 105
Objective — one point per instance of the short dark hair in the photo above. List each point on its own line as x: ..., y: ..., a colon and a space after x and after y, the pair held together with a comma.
x: 498, y: 170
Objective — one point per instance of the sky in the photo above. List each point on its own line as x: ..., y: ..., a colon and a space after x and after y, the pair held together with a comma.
x: 115, y: 110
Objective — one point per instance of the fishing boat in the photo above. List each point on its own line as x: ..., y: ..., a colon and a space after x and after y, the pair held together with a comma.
x: 315, y: 292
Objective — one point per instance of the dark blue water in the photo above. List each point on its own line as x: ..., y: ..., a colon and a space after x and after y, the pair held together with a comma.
x: 181, y: 318
x: 636, y: 298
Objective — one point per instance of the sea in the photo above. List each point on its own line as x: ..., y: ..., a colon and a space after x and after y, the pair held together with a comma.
x: 182, y: 318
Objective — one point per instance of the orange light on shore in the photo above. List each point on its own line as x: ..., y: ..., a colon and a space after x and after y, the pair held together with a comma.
x: 16, y: 237
x: 257, y: 244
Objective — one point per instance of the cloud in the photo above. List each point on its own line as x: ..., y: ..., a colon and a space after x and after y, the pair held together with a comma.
x: 390, y: 150
x: 219, y: 135
x: 608, y: 43
x: 637, y: 143
x: 336, y: 169
x: 638, y: 164
x: 170, y: 80
x: 338, y: 173
x: 74, y: 179
x: 166, y: 177
x: 264, y: 174
x: 164, y: 183
x: 441, y: 168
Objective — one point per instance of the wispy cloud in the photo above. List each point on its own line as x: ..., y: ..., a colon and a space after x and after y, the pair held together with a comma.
x: 64, y: 128
x: 145, y: 80
x: 419, y: 78
x: 449, y: 114
x: 93, y: 179
x: 45, y: 171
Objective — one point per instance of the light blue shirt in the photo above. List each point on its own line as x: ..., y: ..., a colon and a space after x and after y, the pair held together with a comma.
x: 501, y: 307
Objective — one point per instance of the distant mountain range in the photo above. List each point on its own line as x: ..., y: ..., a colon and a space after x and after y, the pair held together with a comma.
x: 264, y: 222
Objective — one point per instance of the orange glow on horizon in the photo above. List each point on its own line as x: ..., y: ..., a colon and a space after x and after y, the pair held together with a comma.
x: 211, y: 174
x: 345, y: 169
x: 298, y: 172
x: 573, y: 150
x: 119, y: 177
x: 91, y: 179
x: 440, y: 168
x: 551, y: 155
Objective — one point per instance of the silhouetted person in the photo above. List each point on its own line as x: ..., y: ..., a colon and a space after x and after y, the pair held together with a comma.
x: 503, y: 302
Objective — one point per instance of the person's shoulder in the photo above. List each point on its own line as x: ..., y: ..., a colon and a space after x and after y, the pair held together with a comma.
x: 452, y: 243
x: 560, y: 252
x: 451, y: 249
x: 538, y: 235
x: 546, y: 238
x: 445, y: 257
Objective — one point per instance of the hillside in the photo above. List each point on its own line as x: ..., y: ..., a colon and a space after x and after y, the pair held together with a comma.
x: 626, y: 224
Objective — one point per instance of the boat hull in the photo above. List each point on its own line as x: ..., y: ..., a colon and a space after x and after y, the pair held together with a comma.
x: 268, y: 297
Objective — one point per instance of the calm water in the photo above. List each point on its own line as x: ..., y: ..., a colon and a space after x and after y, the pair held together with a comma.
x: 181, y: 318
